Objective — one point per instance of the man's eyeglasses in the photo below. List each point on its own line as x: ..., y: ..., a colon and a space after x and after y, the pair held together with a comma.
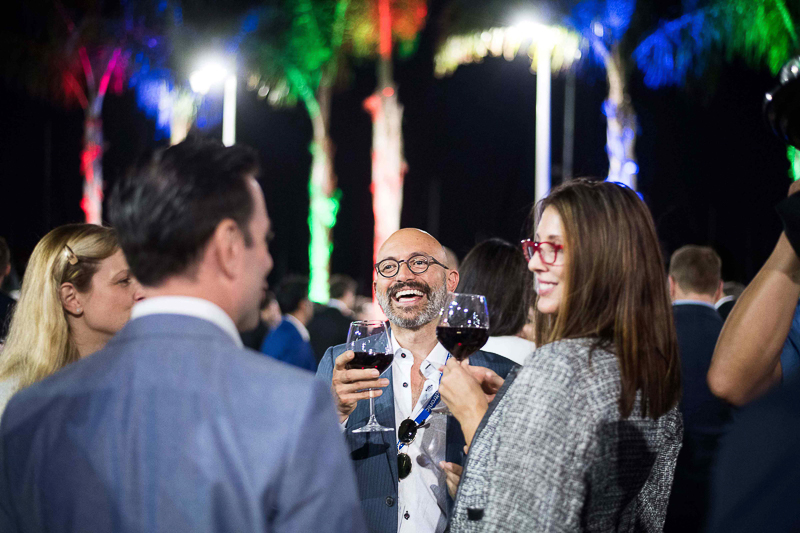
x: 549, y: 252
x: 417, y: 264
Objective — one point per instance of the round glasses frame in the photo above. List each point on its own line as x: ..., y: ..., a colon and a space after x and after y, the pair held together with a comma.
x: 417, y: 264
x: 530, y: 247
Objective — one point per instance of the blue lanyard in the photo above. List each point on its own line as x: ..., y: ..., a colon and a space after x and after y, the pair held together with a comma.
x: 426, y: 411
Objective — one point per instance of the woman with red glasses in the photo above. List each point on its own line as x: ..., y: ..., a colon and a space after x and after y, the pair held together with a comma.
x: 585, y: 436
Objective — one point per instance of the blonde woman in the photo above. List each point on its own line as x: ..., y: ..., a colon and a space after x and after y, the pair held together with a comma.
x: 77, y: 292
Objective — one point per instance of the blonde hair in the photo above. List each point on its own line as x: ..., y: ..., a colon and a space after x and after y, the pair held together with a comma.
x: 39, y: 341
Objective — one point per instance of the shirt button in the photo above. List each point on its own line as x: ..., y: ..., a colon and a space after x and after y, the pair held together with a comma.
x: 389, y: 501
x: 406, y: 516
x: 405, y: 384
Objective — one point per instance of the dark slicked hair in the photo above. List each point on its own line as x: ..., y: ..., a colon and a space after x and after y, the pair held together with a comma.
x: 290, y: 292
x: 167, y: 208
x: 498, y: 270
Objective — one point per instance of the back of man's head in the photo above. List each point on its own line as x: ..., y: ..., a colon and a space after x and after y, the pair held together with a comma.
x: 5, y: 259
x: 291, y: 292
x: 168, y: 208
x: 696, y: 269
x: 341, y: 285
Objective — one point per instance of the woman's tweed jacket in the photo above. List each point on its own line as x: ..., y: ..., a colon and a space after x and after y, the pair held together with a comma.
x: 553, y: 453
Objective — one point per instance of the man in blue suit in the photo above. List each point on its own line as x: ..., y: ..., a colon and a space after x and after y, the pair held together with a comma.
x: 289, y: 341
x: 695, y: 284
x: 173, y: 426
x: 405, y: 490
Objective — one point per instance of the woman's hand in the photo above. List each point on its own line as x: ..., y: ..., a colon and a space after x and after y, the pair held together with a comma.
x: 453, y: 472
x: 464, y: 395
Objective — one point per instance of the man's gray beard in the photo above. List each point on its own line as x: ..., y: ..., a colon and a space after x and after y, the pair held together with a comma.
x: 431, y: 311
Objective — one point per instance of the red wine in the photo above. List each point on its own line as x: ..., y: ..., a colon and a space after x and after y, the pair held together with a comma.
x: 462, y: 342
x: 363, y: 360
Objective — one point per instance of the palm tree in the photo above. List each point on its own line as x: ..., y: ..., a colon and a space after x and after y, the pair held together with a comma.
x: 374, y: 28
x: 294, y: 56
x: 761, y: 32
x: 608, y: 31
x: 75, y: 54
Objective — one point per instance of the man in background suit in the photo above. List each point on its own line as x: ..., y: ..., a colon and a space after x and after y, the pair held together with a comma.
x: 173, y: 426
x: 288, y: 342
x: 331, y: 322
x: 412, y: 285
x: 695, y: 285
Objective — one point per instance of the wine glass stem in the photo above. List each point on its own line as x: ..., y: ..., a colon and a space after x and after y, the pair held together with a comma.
x: 372, y: 419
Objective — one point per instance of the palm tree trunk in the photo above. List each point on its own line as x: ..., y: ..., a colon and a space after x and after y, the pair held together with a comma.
x: 388, y: 163
x: 621, y: 123
x: 92, y: 162
x: 323, y: 196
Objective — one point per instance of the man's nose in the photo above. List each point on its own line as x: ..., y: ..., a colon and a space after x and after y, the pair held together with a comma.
x: 404, y: 273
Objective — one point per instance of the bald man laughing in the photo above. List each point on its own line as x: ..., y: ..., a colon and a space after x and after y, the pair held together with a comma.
x: 412, y: 282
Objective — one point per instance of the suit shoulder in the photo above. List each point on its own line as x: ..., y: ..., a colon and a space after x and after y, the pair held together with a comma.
x: 498, y: 363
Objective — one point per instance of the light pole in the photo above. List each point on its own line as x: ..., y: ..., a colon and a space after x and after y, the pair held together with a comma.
x: 212, y: 73
x: 541, y: 34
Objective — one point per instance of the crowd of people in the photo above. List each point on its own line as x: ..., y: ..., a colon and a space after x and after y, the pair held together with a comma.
x: 150, y: 381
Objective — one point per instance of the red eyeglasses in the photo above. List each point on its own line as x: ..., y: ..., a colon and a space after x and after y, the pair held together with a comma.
x: 549, y: 252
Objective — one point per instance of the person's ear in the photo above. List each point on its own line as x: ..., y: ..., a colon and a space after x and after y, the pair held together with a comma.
x: 452, y: 280
x: 228, y: 246
x: 70, y: 299
x: 672, y: 288
x: 720, y: 292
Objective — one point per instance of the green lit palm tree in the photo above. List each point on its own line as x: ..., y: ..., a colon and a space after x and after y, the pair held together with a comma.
x: 295, y: 56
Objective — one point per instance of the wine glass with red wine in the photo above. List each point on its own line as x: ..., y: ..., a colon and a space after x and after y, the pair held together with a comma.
x: 464, y: 324
x: 372, y: 346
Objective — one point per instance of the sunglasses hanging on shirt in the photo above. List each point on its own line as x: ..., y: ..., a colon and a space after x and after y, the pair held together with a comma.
x: 407, y: 432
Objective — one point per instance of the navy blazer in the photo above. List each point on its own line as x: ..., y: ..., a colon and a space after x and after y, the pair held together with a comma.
x: 285, y: 343
x: 375, y: 454
x: 705, y: 418
x: 171, y: 427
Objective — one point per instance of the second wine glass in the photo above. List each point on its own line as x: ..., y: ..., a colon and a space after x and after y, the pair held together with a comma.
x: 370, y: 341
x: 464, y: 324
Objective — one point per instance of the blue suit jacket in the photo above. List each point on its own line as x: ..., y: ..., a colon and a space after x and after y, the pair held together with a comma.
x: 705, y: 419
x: 172, y: 427
x: 375, y: 454
x: 285, y: 343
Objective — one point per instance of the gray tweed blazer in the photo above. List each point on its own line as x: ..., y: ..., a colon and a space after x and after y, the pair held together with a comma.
x: 553, y: 453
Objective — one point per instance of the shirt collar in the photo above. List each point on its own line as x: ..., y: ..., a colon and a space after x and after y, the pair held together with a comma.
x: 693, y: 302
x: 340, y: 305
x: 188, y: 306
x: 435, y: 360
x: 724, y: 300
x: 299, y: 325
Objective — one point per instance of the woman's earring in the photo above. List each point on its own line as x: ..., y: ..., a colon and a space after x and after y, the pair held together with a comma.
x: 79, y: 310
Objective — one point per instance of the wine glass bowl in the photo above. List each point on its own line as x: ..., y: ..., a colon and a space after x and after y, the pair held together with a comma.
x: 370, y: 342
x: 464, y: 324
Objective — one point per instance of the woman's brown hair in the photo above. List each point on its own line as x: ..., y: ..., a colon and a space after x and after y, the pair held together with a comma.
x: 615, y: 290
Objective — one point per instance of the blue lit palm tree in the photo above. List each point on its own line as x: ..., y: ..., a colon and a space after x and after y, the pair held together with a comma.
x: 761, y: 32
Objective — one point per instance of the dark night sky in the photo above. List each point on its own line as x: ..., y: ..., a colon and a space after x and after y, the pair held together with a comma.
x: 709, y: 168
